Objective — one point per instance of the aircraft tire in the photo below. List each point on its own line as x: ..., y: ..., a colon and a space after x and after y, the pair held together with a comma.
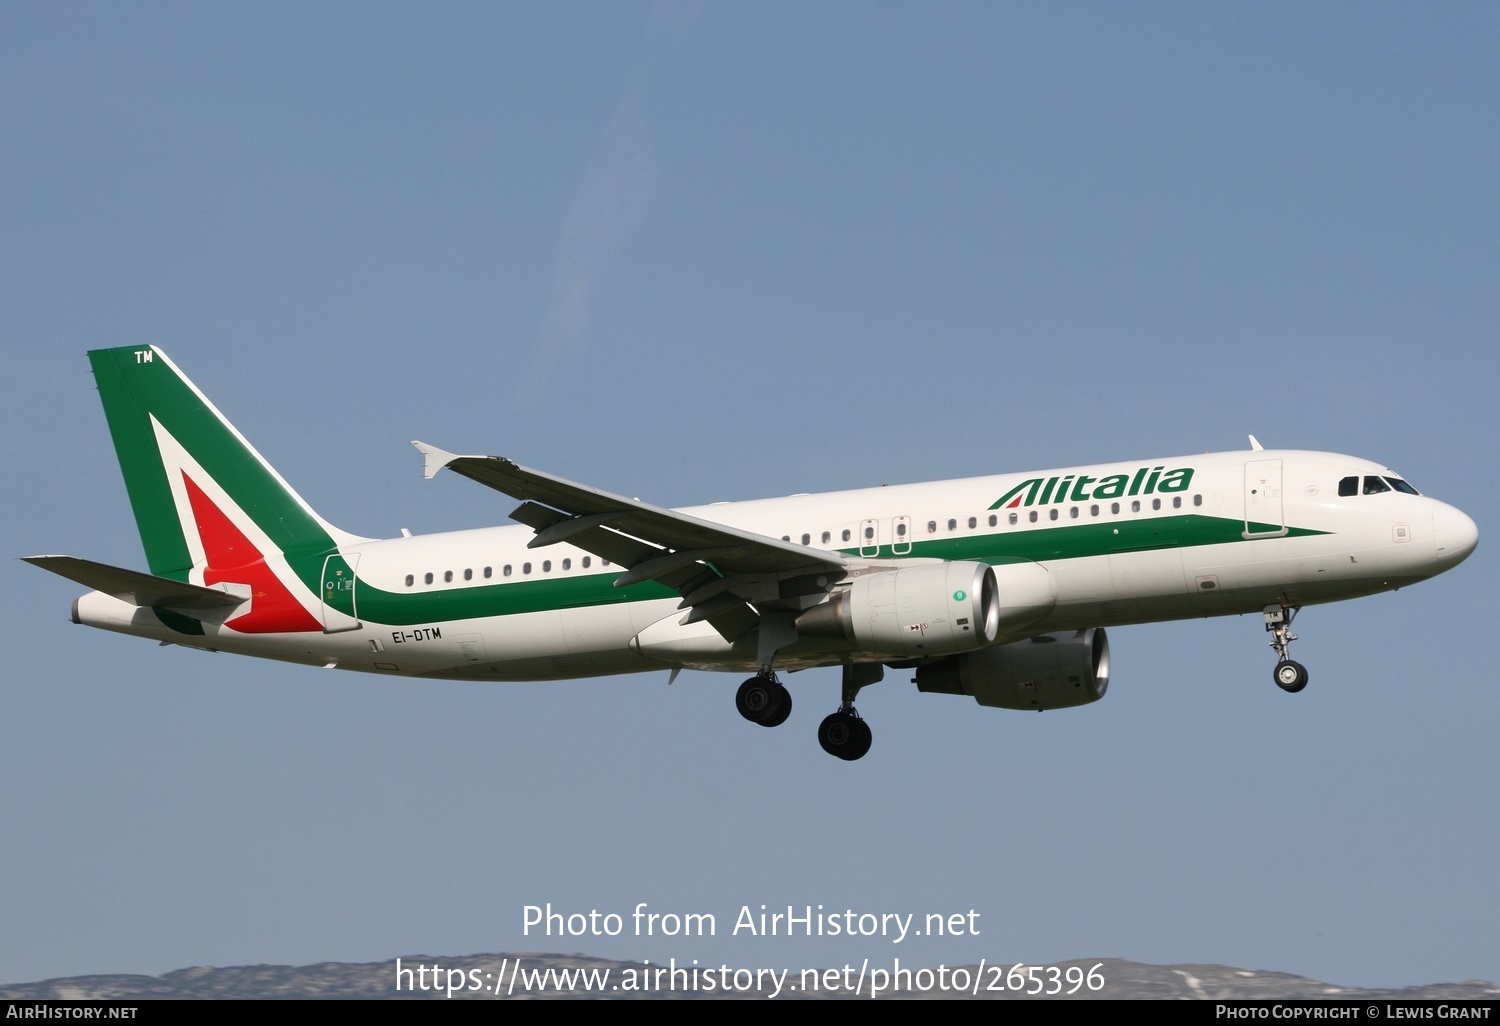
x: 783, y: 708
x: 845, y: 736
x: 1291, y: 676
x: 759, y: 700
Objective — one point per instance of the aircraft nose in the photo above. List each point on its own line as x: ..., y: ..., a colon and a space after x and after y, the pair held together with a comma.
x: 1455, y: 534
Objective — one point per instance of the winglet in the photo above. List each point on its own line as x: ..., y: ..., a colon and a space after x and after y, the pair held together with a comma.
x: 436, y: 459
x: 1254, y: 445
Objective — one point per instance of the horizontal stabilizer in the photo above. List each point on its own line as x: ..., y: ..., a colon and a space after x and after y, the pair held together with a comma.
x: 135, y: 587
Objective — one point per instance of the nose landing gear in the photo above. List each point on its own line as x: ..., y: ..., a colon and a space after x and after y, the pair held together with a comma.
x: 1290, y: 675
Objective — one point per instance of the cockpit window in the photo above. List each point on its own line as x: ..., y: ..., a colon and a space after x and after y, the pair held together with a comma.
x: 1374, y: 486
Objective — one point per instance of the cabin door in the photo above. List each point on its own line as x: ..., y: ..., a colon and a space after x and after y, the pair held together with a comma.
x: 338, y: 594
x: 1264, y: 517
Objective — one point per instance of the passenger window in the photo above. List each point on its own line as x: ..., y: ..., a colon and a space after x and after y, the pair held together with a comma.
x: 953, y: 525
x: 846, y: 534
x: 1176, y: 502
x: 1198, y: 500
x: 901, y: 529
x: 1052, y: 513
x: 1114, y: 507
x: 525, y: 568
x: 1033, y: 516
x: 489, y: 572
x: 506, y: 571
x: 468, y: 573
x: 1156, y: 504
x: 869, y: 534
x: 1374, y: 486
x: 932, y: 527
x: 427, y: 578
x: 807, y: 539
x: 410, y: 580
x: 1013, y: 518
x: 585, y: 562
x: 546, y: 566
x: 995, y: 520
x: 1093, y: 511
x: 973, y: 522
x: 1073, y: 513
x: 1135, y: 505
x: 826, y: 537
x: 447, y: 576
x: 567, y: 564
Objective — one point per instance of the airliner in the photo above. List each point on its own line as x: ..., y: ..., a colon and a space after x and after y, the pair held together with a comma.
x: 999, y: 588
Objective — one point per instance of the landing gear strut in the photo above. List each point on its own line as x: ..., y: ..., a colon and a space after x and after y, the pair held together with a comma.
x: 1289, y: 674
x: 765, y: 700
x: 844, y: 734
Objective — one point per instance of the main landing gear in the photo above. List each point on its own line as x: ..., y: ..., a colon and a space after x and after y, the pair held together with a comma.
x: 765, y: 700
x: 844, y: 734
x: 1289, y: 674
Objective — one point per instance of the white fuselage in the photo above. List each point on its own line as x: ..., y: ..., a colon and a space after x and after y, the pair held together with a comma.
x: 1085, y: 547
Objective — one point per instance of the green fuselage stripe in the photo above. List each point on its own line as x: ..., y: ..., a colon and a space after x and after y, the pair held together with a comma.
x: 428, y: 604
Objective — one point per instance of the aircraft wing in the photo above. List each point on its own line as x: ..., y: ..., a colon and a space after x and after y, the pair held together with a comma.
x: 717, y: 569
x: 135, y: 587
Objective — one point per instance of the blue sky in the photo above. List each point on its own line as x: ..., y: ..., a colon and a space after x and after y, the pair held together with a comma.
x: 696, y: 252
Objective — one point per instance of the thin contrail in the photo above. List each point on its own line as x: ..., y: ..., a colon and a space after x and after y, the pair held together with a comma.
x: 608, y: 206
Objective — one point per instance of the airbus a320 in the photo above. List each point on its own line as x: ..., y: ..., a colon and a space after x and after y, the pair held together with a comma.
x: 999, y: 588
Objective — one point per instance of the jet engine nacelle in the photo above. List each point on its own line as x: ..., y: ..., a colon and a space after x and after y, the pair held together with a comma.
x: 1049, y: 671
x: 932, y: 609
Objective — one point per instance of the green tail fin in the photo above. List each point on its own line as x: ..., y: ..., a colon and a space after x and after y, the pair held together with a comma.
x: 181, y: 458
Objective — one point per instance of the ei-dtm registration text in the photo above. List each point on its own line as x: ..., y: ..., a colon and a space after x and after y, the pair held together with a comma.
x: 761, y: 921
